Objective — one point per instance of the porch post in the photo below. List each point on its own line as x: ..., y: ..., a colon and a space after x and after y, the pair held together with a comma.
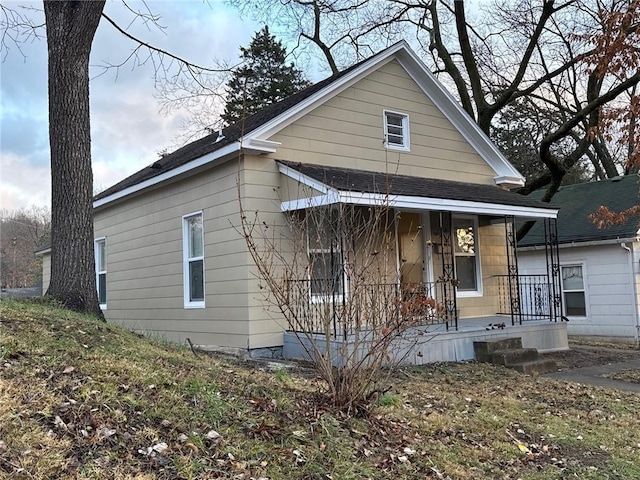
x: 512, y: 270
x: 552, y: 252
x: 449, y: 295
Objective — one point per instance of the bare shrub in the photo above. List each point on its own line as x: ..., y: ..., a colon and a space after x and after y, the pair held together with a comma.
x: 333, y: 274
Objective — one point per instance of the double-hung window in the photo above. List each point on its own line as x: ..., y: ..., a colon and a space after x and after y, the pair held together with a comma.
x: 100, y: 252
x: 573, y: 291
x: 193, y: 260
x: 465, y: 249
x: 326, y: 270
x: 396, y: 131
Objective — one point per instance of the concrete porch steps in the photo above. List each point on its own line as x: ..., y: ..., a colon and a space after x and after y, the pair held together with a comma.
x: 509, y: 353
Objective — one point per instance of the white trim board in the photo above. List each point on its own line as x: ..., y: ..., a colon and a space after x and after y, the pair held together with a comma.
x: 417, y: 203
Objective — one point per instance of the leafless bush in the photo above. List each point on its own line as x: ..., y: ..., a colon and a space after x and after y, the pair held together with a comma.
x: 332, y: 272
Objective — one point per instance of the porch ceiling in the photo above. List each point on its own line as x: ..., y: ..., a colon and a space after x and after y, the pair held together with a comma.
x: 346, y: 185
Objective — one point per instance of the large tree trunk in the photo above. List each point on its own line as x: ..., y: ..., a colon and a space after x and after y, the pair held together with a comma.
x: 71, y: 26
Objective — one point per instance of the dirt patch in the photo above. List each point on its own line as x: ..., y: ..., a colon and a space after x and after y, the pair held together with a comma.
x: 632, y: 375
x: 579, y: 356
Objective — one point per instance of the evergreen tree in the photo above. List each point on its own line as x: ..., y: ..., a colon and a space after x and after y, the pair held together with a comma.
x: 263, y: 79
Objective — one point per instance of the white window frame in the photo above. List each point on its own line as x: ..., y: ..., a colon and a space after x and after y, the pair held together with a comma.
x: 321, y: 298
x: 406, y: 135
x: 476, y: 240
x: 186, y: 261
x: 100, y: 271
x: 583, y: 291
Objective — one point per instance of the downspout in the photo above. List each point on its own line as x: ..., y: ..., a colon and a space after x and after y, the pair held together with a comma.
x: 634, y: 286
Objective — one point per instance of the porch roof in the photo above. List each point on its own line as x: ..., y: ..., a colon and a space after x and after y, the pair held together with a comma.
x: 347, y: 185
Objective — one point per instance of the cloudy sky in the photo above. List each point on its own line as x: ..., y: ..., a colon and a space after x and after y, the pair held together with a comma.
x: 128, y: 129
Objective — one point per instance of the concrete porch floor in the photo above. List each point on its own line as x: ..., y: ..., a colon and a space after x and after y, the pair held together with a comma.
x: 433, y: 343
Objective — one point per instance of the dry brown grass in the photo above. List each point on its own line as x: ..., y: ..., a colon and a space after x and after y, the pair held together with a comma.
x: 126, y: 394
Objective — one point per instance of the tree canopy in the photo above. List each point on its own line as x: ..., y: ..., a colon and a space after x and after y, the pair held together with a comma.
x: 263, y: 78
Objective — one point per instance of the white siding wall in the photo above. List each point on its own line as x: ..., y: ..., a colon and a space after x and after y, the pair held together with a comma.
x: 610, y: 293
x: 46, y: 272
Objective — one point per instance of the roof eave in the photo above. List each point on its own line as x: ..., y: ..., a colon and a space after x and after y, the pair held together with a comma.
x: 575, y: 244
x: 418, y: 203
x: 187, y: 167
x: 510, y: 182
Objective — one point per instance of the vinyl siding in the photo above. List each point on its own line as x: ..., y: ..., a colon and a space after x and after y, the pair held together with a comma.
x: 145, y: 261
x: 609, y: 291
x: 347, y: 131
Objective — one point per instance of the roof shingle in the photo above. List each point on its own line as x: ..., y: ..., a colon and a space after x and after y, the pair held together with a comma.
x: 578, y: 201
x: 351, y: 180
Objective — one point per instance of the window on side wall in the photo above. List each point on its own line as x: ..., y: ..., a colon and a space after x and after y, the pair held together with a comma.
x: 193, y: 260
x: 326, y: 271
x: 465, y: 249
x: 396, y: 131
x: 573, y: 291
x: 100, y: 251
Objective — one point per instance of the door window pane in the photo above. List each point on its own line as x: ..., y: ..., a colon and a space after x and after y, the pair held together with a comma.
x: 466, y: 273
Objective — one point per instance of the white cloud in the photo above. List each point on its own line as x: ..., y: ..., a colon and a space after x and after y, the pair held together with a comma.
x: 126, y: 127
x: 23, y: 185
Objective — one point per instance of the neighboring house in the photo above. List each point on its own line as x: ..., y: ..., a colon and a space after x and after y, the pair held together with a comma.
x: 170, y: 260
x: 599, y: 268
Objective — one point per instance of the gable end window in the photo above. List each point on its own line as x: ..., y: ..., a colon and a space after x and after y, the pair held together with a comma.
x: 396, y: 131
x: 193, y: 260
x: 100, y: 252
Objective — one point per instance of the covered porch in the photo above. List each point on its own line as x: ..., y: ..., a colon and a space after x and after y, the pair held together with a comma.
x: 451, y: 267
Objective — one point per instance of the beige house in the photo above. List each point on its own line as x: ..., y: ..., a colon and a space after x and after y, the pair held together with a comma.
x: 171, y: 262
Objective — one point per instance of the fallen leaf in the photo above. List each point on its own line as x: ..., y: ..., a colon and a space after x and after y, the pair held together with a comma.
x: 192, y: 447
x: 68, y: 369
x: 160, y: 447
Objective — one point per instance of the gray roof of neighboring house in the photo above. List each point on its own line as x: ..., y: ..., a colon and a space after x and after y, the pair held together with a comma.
x: 577, y: 202
x: 232, y: 133
x: 351, y: 180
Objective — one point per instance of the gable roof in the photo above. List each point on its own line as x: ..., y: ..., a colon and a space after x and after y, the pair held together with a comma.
x: 578, y: 201
x: 348, y: 185
x: 253, y: 133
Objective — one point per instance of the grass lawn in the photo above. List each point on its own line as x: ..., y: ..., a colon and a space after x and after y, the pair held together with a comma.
x: 83, y: 399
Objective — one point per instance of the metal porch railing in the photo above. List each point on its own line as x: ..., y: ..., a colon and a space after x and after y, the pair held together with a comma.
x: 362, y: 306
x: 525, y: 297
